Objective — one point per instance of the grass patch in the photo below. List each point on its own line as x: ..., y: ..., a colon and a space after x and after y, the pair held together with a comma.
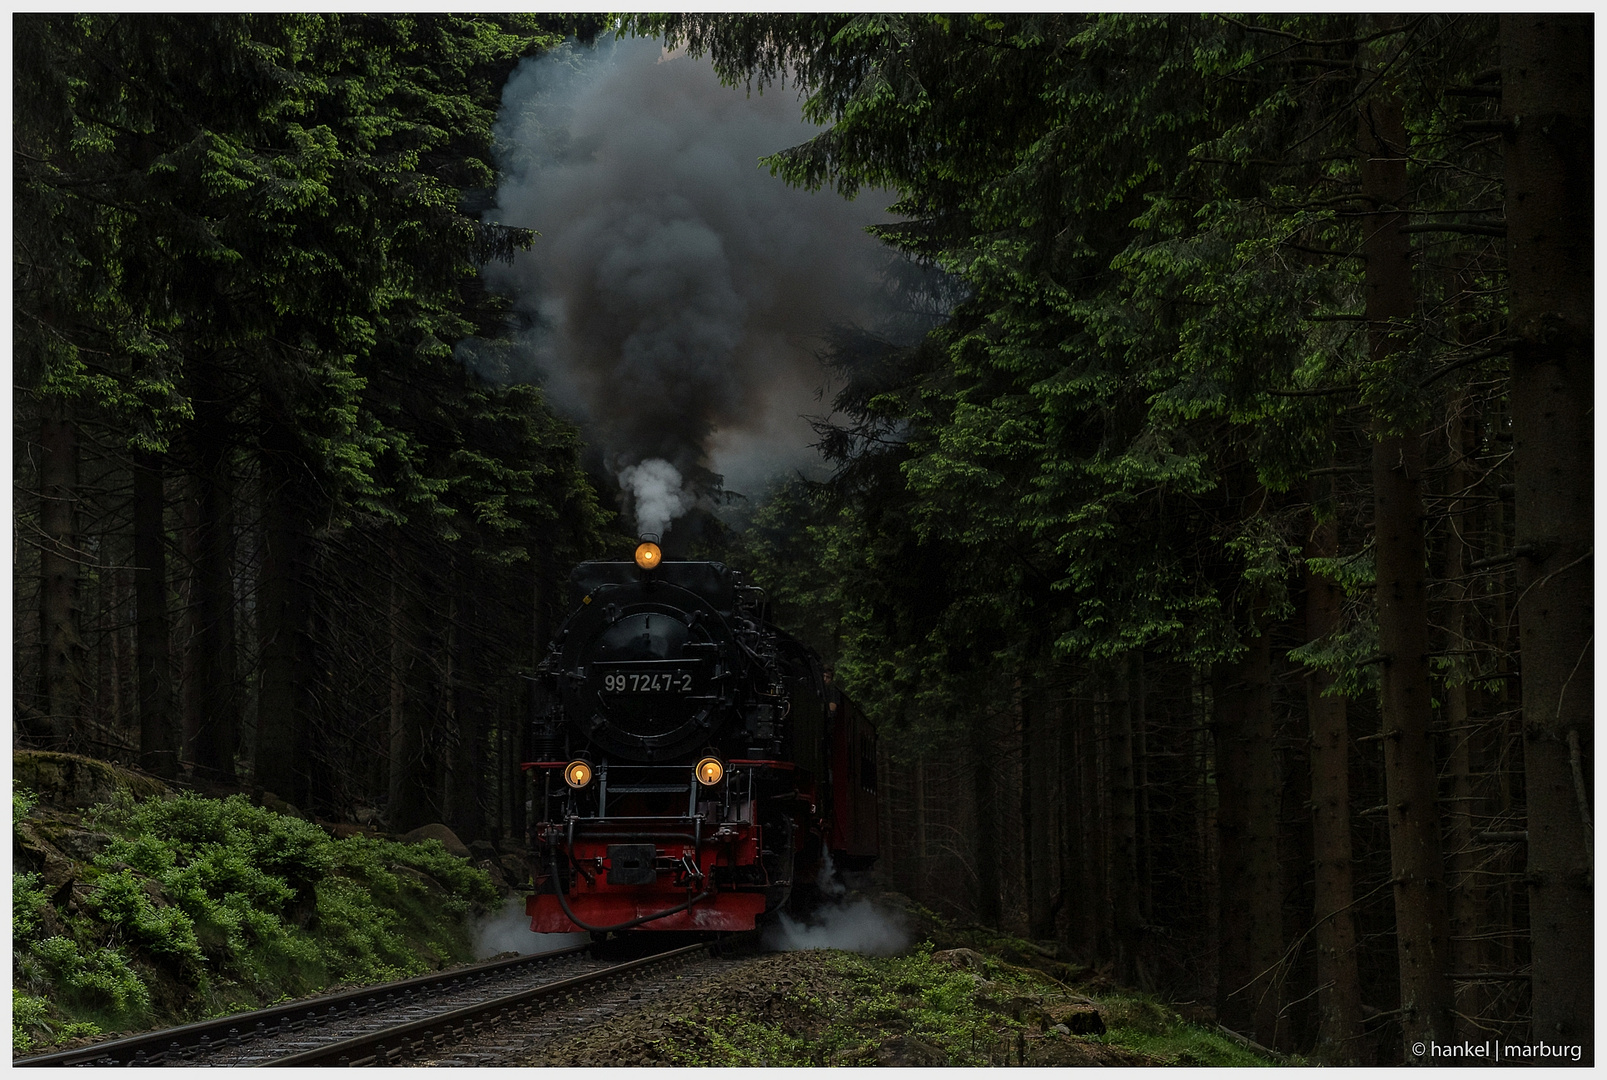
x: 1187, y: 1044
x: 1144, y: 1025
x: 911, y: 1000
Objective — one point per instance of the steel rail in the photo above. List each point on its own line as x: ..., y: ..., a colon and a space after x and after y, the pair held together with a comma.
x: 379, y: 1047
x: 151, y: 1046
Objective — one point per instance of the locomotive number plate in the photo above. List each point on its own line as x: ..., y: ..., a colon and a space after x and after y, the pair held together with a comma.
x: 661, y: 681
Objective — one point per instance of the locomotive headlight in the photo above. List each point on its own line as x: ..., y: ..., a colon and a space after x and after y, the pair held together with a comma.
x: 710, y: 771
x: 648, y: 555
x: 577, y: 774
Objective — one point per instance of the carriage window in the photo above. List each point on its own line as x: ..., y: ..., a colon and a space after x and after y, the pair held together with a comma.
x: 867, y: 763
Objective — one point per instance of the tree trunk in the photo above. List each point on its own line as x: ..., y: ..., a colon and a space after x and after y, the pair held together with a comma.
x: 919, y: 799
x: 212, y: 723
x: 1073, y: 855
x: 1040, y: 746
x: 1402, y: 601
x: 158, y: 726
x: 1024, y: 721
x: 1096, y: 899
x: 407, y: 784
x: 1547, y: 87
x: 61, y: 668
x: 1127, y: 921
x: 1250, y: 926
x: 122, y: 650
x: 1339, y: 987
x: 107, y: 719
x: 1071, y: 818
x: 1207, y: 862
x: 986, y: 841
x: 542, y: 590
x: 283, y: 750
x: 1146, y: 849
x: 1464, y: 882
x: 466, y: 694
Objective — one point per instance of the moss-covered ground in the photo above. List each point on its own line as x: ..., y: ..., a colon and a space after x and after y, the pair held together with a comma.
x: 964, y: 1000
x: 146, y: 913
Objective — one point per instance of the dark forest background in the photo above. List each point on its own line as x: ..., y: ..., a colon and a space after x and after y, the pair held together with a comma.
x: 1218, y: 571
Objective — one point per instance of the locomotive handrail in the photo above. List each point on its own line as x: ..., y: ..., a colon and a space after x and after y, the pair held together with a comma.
x: 616, y: 835
x: 687, y: 821
x: 687, y: 829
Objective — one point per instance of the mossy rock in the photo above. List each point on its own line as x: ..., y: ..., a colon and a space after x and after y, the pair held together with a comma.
x: 962, y: 959
x: 32, y: 852
x: 909, y: 1051
x: 437, y: 831
x: 413, y: 874
x: 1140, y: 1015
x: 74, y: 782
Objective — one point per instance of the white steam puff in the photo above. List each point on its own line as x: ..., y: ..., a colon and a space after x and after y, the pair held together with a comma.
x: 656, y: 495
x: 859, y: 927
x: 676, y: 290
x: 509, y: 931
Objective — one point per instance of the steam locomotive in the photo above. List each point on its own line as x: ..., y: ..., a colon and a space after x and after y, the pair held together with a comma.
x: 695, y: 761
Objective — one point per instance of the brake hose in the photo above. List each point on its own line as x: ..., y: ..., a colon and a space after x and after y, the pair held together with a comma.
x: 563, y: 902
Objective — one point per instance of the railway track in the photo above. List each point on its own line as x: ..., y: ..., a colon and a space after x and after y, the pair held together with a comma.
x: 408, y: 1021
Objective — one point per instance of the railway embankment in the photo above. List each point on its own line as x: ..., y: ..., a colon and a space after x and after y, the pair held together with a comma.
x: 136, y: 907
x: 955, y: 996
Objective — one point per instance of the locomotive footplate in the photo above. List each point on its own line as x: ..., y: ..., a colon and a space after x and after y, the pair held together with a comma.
x: 723, y: 912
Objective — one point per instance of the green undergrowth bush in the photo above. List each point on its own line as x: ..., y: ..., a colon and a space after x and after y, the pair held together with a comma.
x: 196, y: 907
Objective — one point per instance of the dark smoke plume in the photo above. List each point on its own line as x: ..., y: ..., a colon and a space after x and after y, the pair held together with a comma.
x: 677, y: 291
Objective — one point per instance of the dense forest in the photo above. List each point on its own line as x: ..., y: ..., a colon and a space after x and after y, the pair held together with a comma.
x: 269, y: 530
x: 1217, y: 570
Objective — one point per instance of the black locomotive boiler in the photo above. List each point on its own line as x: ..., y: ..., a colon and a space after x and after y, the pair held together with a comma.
x: 694, y: 760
